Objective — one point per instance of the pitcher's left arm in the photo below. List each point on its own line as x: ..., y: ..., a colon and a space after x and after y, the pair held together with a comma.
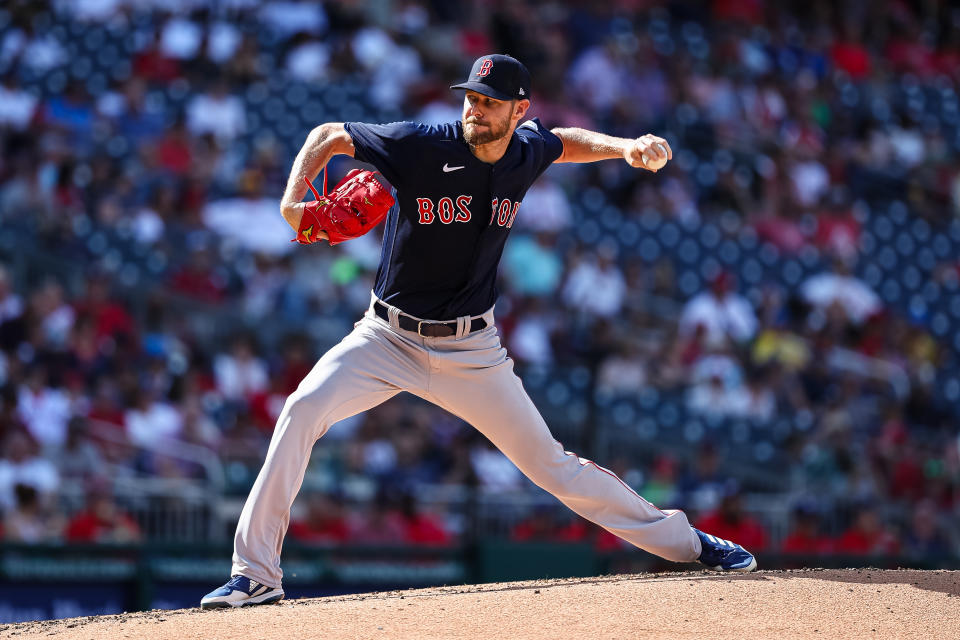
x: 648, y: 152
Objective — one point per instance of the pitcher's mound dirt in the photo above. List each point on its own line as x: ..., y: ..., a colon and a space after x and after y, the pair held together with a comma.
x: 768, y: 604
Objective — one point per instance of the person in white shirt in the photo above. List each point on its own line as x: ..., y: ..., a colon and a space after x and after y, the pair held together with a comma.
x: 19, y: 464
x: 45, y: 410
x: 217, y: 112
x: 240, y: 373
x: 597, y: 286
x: 150, y: 422
x: 16, y: 105
x: 546, y: 207
x: 726, y: 315
x: 840, y: 287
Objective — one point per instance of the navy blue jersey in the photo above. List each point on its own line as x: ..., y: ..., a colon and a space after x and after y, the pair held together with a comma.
x: 445, y: 234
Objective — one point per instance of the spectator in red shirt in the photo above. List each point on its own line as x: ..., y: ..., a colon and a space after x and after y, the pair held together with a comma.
x: 805, y: 537
x: 421, y: 527
x: 297, y: 362
x: 110, y: 318
x: 748, y: 11
x: 151, y: 64
x: 174, y: 151
x: 379, y: 523
x: 266, y: 404
x: 540, y: 526
x: 849, y: 54
x: 199, y: 278
x: 324, y: 522
x: 866, y: 536
x: 105, y: 406
x: 543, y: 526
x: 947, y: 58
x: 730, y: 522
x: 779, y: 223
x: 838, y: 232
x: 907, y: 51
x: 907, y: 481
x: 102, y: 520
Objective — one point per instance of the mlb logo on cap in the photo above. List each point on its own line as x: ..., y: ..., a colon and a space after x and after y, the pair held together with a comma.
x: 498, y: 76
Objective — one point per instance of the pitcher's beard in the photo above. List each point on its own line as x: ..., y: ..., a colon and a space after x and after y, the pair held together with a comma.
x: 476, y: 136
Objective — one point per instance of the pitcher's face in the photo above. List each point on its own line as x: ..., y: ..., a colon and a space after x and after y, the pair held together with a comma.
x: 486, y: 119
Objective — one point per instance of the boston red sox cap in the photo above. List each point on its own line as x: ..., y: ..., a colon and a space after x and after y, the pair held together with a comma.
x: 498, y: 76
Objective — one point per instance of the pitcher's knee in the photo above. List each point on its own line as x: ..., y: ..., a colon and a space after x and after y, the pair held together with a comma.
x: 306, y: 411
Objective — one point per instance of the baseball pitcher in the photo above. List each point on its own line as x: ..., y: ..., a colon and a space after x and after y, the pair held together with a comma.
x: 430, y: 328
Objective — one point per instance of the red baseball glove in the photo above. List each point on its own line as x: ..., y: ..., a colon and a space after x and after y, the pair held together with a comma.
x: 357, y: 204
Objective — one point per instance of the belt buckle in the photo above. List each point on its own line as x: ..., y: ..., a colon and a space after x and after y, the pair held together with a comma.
x: 436, y: 325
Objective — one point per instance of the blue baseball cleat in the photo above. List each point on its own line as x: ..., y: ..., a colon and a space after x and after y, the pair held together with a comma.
x: 722, y: 555
x: 241, y: 592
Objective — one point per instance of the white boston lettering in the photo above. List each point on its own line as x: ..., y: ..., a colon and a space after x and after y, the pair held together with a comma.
x: 448, y: 169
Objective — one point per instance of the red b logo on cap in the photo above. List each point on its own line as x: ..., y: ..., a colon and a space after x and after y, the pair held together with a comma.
x: 485, y: 68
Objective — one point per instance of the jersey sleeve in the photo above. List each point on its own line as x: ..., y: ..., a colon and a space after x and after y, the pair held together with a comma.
x: 547, y: 145
x: 385, y: 146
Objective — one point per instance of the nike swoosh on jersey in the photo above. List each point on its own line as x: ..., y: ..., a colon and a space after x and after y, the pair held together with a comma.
x: 448, y: 169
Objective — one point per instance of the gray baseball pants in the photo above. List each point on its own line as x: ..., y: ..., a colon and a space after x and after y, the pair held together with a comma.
x: 471, y: 376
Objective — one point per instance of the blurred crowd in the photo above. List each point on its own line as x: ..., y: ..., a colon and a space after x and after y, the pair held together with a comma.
x: 154, y: 315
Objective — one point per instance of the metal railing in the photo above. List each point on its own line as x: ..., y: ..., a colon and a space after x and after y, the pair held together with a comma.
x: 165, y: 509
